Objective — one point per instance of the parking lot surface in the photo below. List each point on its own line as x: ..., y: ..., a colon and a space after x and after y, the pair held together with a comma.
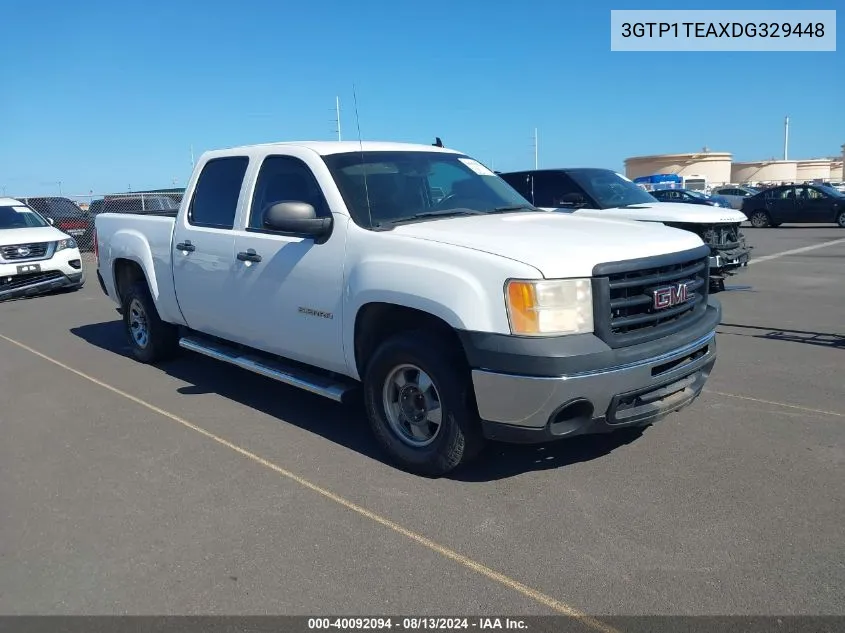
x: 195, y: 487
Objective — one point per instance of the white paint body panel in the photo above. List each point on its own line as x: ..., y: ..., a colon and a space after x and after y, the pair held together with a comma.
x: 665, y: 212
x: 453, y: 268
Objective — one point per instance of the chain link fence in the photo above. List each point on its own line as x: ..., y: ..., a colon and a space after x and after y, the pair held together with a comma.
x: 75, y: 214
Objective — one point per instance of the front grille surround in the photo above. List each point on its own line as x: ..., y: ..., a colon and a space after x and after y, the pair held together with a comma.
x: 623, y: 311
x: 37, y: 251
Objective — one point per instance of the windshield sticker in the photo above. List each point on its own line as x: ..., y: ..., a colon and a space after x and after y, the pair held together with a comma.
x: 22, y: 210
x: 477, y: 167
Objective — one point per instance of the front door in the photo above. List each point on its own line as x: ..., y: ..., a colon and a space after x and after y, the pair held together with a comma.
x: 290, y: 288
x: 814, y: 205
x: 204, y: 247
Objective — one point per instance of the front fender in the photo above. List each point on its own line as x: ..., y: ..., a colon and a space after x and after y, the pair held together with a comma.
x: 450, y: 292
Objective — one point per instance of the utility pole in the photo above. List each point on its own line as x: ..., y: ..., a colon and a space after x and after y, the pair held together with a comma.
x: 536, y: 150
x: 336, y: 119
x: 786, y: 138
x: 192, y: 155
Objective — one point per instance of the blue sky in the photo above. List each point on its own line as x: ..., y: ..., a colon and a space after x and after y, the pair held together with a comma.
x: 108, y: 95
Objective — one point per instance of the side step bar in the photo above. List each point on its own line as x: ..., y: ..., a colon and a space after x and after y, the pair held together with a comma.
x: 272, y: 368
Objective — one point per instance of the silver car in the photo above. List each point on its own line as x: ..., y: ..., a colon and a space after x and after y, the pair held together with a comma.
x: 735, y: 194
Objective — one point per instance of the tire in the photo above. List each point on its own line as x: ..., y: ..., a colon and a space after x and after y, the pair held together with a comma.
x: 150, y: 338
x: 424, y: 448
x: 840, y: 219
x: 760, y: 219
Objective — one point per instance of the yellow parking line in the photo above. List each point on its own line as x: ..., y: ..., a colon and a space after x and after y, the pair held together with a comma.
x: 777, y: 404
x: 537, y: 596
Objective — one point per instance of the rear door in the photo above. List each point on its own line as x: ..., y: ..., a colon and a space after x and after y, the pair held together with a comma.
x: 781, y: 205
x: 288, y: 290
x: 203, y: 247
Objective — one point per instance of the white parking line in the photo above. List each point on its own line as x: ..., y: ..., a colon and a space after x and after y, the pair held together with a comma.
x: 803, y: 249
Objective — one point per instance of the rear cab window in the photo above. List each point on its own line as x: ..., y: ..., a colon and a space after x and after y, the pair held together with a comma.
x: 215, y: 199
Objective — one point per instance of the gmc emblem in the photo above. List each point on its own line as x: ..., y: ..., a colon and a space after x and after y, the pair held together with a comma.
x: 668, y: 296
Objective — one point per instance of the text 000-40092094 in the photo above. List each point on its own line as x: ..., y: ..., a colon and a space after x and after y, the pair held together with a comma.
x: 711, y: 30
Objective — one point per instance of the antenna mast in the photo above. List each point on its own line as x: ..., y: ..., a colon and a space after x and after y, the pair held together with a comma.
x: 363, y: 162
x: 536, y: 147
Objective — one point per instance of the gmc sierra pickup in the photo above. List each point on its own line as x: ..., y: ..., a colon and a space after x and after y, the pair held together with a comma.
x: 464, y: 316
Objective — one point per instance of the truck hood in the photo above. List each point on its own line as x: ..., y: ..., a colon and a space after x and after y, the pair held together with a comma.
x: 30, y: 235
x: 556, y: 244
x: 668, y: 212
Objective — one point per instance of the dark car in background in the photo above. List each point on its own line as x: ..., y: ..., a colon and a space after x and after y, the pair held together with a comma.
x: 689, y: 196
x: 811, y: 204
x: 66, y: 217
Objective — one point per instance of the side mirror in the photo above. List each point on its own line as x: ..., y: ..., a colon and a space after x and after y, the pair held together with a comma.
x: 299, y: 218
x: 51, y: 221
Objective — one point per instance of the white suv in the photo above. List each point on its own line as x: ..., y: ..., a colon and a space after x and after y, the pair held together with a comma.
x: 35, y: 256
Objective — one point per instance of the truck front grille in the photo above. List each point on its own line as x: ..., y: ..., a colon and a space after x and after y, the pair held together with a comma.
x: 640, y: 300
x: 24, y: 251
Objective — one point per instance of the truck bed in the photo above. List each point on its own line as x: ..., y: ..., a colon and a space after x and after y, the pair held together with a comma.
x: 125, y: 235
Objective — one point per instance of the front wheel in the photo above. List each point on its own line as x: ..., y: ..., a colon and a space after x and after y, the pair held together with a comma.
x: 420, y: 404
x: 150, y: 338
x: 760, y: 219
x: 840, y: 219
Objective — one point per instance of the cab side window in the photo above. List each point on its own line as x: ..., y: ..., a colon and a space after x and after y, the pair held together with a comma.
x: 285, y: 179
x: 215, y: 200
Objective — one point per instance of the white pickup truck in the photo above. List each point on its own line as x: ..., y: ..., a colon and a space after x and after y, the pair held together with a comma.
x: 466, y: 316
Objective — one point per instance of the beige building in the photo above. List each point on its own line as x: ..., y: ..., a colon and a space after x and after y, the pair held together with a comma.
x: 714, y: 166
x: 813, y: 169
x: 836, y: 174
x: 764, y: 171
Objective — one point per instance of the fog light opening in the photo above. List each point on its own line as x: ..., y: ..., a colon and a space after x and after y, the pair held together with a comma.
x: 75, y: 263
x: 571, y: 416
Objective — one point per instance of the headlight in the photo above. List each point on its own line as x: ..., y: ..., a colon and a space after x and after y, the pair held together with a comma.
x: 543, y: 308
x: 63, y: 244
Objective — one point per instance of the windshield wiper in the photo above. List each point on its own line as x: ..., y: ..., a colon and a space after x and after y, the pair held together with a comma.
x: 444, y: 213
x: 515, y: 207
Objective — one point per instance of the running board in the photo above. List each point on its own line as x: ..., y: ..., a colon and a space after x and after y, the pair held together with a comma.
x: 271, y: 368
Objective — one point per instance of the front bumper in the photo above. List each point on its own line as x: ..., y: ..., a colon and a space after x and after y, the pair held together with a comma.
x: 723, y: 262
x: 523, y: 408
x: 25, y: 278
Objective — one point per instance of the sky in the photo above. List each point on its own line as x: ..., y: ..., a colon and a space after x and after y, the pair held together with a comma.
x: 103, y: 96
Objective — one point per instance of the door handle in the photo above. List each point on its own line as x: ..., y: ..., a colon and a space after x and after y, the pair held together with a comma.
x: 249, y: 256
x: 186, y: 246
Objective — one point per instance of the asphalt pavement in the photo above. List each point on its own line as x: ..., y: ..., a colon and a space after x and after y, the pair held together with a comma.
x: 198, y: 488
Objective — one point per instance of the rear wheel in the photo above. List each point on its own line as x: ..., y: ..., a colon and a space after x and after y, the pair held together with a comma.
x: 420, y: 404
x: 150, y: 338
x: 760, y: 219
x: 840, y: 219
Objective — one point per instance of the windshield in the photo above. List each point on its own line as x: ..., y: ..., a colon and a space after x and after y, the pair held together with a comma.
x: 402, y: 185
x: 609, y: 189
x: 20, y: 217
x: 834, y: 193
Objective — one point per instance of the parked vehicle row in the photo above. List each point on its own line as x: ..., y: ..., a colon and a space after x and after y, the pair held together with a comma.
x: 35, y: 256
x: 412, y: 272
